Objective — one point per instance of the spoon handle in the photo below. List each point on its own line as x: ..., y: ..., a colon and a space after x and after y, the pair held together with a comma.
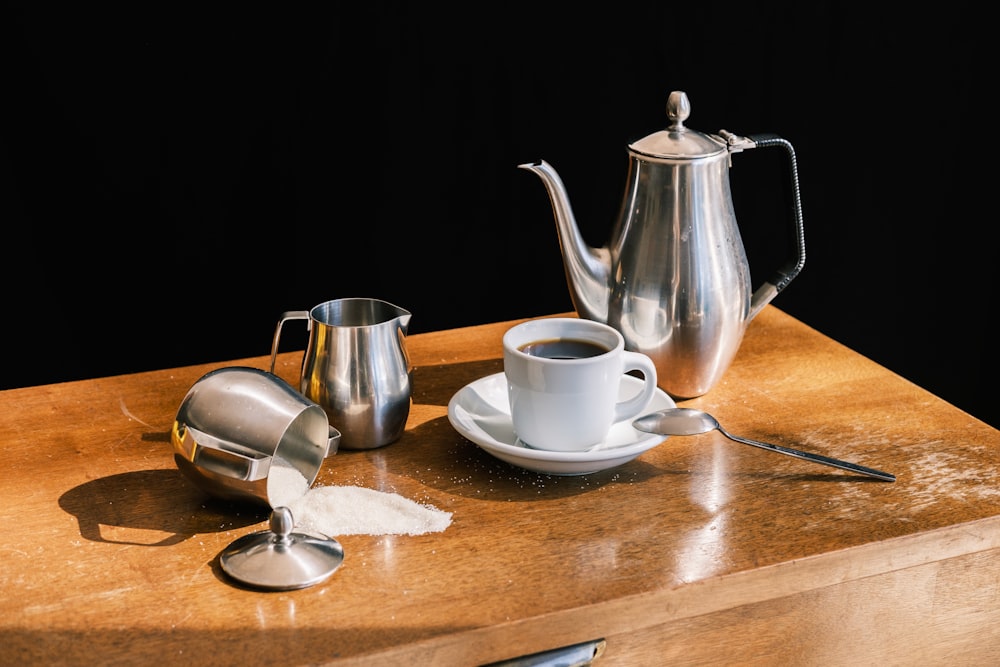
x: 815, y: 458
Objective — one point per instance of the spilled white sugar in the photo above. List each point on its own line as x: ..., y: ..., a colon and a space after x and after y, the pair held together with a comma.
x: 355, y: 510
x: 349, y: 510
x: 285, y: 484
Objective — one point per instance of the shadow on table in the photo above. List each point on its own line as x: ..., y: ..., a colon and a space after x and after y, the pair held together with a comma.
x: 129, y: 507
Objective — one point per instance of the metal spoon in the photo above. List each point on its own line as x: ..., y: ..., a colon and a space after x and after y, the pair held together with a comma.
x: 687, y: 421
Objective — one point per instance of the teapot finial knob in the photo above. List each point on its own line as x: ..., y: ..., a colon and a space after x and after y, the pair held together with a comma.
x: 678, y: 109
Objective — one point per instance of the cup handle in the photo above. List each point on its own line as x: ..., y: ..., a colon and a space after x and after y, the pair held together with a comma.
x: 633, y: 407
x: 288, y: 315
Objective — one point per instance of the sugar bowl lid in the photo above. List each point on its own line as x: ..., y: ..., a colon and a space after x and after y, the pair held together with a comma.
x: 278, y: 559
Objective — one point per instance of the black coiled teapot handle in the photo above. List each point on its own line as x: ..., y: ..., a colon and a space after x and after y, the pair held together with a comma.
x: 787, y: 272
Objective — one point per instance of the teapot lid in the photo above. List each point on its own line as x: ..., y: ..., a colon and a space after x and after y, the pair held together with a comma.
x: 678, y: 141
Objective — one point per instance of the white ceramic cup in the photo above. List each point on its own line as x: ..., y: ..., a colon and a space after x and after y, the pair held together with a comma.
x: 570, y: 404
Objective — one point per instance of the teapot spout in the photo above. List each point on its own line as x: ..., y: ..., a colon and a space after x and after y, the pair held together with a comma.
x: 588, y: 269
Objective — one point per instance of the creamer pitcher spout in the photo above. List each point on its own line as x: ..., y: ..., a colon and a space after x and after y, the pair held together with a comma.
x: 588, y: 269
x: 403, y: 320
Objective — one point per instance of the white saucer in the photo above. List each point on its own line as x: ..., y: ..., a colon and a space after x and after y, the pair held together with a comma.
x: 480, y: 411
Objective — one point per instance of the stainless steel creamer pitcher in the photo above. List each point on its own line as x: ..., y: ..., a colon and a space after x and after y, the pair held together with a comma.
x: 356, y: 368
x: 674, y: 278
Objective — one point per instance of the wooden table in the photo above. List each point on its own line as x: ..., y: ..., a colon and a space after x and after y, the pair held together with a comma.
x: 700, y: 551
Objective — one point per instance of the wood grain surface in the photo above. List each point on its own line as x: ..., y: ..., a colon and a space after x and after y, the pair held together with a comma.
x: 700, y: 551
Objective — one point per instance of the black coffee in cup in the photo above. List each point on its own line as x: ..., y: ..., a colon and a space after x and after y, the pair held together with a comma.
x: 563, y: 348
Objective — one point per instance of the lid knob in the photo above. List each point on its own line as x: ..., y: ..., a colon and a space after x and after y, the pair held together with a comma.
x: 678, y: 109
x: 282, y: 523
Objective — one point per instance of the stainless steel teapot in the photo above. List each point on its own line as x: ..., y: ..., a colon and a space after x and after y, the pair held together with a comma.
x: 674, y: 277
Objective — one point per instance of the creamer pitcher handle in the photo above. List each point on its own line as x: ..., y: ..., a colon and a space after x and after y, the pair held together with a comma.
x: 784, y: 275
x: 288, y: 315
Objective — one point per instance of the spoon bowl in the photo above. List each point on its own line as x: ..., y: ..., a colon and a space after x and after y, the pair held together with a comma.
x: 688, y: 421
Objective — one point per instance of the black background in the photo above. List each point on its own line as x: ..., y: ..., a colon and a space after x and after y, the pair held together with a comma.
x: 173, y: 180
